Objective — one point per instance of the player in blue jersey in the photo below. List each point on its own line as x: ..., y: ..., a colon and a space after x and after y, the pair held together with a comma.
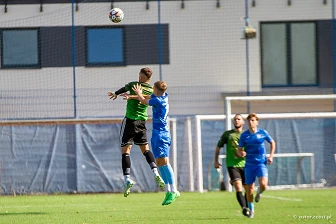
x: 133, y: 129
x: 252, y: 141
x: 161, y: 139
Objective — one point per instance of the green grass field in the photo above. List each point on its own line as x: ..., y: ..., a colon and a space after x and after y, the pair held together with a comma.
x: 287, y: 206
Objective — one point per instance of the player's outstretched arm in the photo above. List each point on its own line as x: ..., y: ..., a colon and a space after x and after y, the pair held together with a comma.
x: 132, y: 97
x: 114, y: 95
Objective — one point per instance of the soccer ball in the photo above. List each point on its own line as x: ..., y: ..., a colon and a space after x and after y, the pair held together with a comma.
x: 116, y: 15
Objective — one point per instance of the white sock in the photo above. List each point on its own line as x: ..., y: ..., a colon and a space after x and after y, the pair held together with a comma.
x: 173, y: 188
x: 126, y: 178
x: 168, y: 189
x: 156, y: 172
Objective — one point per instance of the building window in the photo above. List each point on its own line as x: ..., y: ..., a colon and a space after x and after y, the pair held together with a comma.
x: 20, y: 48
x: 105, y: 46
x: 289, y: 54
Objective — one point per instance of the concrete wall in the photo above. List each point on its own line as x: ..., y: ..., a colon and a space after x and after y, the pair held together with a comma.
x: 207, y: 56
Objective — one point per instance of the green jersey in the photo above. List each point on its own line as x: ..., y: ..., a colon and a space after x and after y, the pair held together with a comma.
x: 231, y: 138
x: 134, y: 109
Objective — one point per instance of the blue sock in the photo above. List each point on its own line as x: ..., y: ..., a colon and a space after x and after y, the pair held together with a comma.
x: 171, y: 178
x: 170, y: 174
x: 163, y: 174
x: 251, y: 206
x: 167, y: 172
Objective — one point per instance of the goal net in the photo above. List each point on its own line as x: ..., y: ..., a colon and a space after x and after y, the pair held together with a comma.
x: 297, y: 135
x: 290, y: 170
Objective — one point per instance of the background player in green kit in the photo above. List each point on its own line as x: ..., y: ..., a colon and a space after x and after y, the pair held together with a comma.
x: 133, y: 128
x: 235, y: 165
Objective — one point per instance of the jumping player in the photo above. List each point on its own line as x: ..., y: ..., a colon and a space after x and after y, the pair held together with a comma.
x: 133, y: 129
x: 161, y: 139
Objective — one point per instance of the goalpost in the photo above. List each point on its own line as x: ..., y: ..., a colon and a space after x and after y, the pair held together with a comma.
x: 228, y: 101
x: 228, y: 114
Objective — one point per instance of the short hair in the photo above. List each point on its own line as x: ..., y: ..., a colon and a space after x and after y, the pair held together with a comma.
x: 252, y: 115
x: 238, y: 115
x: 161, y: 86
x: 147, y: 72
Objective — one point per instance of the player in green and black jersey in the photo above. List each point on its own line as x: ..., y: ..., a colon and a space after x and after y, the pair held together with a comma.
x: 235, y: 165
x: 133, y: 128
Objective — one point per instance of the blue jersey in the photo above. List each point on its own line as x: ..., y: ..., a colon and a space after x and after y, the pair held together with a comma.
x: 254, y: 146
x: 160, y: 109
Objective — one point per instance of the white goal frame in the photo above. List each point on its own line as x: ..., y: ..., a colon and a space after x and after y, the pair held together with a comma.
x: 228, y: 113
x: 229, y: 99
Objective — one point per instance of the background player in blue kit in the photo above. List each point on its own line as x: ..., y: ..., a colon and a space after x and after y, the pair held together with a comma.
x: 161, y: 139
x: 252, y: 141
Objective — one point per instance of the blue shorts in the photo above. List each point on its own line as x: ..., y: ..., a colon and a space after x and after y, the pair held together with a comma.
x: 160, y: 144
x: 253, y: 171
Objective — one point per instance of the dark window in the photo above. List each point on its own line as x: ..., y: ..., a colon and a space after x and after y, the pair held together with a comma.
x: 105, y: 46
x: 20, y: 48
x: 94, y: 46
x: 289, y: 54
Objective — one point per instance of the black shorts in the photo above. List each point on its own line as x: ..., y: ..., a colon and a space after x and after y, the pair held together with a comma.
x: 236, y: 173
x: 133, y: 131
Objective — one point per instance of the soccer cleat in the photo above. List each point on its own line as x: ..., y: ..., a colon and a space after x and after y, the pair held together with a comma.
x: 160, y: 182
x: 257, y: 197
x: 127, y: 188
x: 165, y: 199
x: 246, y: 211
x: 251, y: 215
x: 172, y: 197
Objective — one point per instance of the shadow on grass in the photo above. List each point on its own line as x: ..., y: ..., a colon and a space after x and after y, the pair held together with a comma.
x: 173, y: 219
x: 22, y: 213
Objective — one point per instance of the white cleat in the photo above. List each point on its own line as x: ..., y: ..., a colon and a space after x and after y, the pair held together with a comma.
x: 127, y: 188
x: 160, y: 182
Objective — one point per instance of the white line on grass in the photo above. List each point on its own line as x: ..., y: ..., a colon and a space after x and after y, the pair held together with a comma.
x: 282, y: 198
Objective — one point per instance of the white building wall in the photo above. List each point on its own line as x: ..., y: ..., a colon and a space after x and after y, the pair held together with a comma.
x: 207, y: 56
